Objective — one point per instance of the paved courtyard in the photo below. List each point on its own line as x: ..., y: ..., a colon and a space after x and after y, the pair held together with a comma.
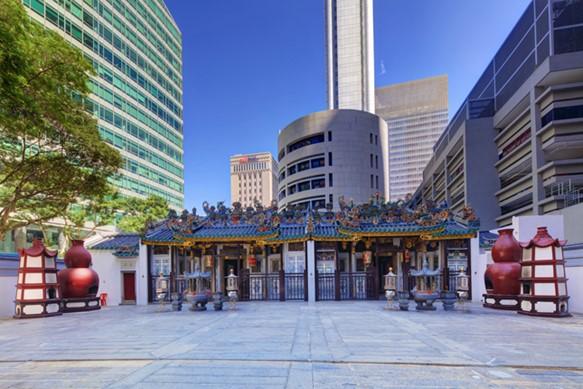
x: 291, y: 345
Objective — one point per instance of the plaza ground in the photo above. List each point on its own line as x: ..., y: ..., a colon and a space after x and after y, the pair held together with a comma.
x: 293, y: 345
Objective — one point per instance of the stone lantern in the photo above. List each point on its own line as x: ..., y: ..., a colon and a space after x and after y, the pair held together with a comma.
x: 543, y: 284
x: 390, y: 288
x: 463, y: 286
x: 232, y: 288
x: 161, y: 289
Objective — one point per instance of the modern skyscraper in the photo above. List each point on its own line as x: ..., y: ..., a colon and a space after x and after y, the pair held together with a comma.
x: 253, y: 177
x: 136, y: 49
x: 329, y: 154
x: 416, y: 115
x: 350, y: 54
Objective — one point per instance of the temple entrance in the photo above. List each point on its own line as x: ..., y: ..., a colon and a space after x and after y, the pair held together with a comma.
x: 232, y: 257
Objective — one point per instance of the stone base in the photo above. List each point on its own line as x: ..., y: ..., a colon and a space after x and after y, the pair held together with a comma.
x: 506, y: 302
x: 31, y: 310
x: 81, y: 304
x: 425, y: 307
x: 545, y: 314
x: 545, y: 306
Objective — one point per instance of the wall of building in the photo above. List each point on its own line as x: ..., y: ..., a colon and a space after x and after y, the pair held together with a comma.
x: 347, y: 156
x: 110, y: 270
x: 137, y: 89
x: 574, y: 254
x: 8, y: 293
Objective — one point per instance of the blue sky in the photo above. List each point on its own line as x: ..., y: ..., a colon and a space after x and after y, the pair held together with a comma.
x: 253, y: 66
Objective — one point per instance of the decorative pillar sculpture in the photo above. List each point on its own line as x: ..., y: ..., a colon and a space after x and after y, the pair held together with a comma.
x: 37, y: 290
x: 79, y: 283
x: 543, y: 282
x: 502, y: 278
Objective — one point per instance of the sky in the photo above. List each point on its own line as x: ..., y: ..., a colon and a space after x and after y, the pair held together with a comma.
x: 251, y: 67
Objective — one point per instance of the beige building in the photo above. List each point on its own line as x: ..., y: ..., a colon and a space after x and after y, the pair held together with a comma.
x: 253, y: 177
x: 416, y: 115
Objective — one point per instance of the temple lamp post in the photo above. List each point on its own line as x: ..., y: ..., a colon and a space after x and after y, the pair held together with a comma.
x: 390, y: 289
x: 161, y: 289
x: 232, y: 288
x: 463, y: 286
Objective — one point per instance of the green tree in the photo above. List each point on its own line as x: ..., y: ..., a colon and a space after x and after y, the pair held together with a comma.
x: 50, y: 150
x: 138, y: 213
x: 84, y: 217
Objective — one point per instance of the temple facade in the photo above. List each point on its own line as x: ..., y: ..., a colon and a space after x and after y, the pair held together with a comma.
x: 300, y: 254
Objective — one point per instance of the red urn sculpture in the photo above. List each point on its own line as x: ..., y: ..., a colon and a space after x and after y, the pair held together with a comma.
x: 79, y: 283
x: 502, y: 278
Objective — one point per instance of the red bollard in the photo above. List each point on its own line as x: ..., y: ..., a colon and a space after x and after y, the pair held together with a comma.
x: 103, y: 299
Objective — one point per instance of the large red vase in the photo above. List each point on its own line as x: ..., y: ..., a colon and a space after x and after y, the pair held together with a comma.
x: 77, y: 255
x: 503, y: 276
x: 78, y: 280
x: 506, y: 248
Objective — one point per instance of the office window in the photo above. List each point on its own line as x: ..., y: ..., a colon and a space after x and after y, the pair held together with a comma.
x: 331, y: 198
x: 377, y: 181
x: 330, y: 159
x: 372, y: 181
x: 303, y: 166
x: 318, y: 204
x: 330, y: 180
x: 569, y: 40
x: 376, y: 139
x: 377, y: 161
x: 306, y: 142
x: 319, y: 183
x: 371, y: 138
x: 329, y: 136
x: 371, y: 159
x: 303, y: 186
x: 319, y: 162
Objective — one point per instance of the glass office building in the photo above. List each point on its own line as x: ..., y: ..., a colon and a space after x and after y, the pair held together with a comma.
x: 136, y: 49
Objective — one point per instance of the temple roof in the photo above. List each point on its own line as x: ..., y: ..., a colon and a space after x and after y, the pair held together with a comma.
x: 122, y: 245
x: 350, y: 223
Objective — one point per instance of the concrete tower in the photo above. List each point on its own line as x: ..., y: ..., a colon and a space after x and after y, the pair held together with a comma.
x: 350, y: 54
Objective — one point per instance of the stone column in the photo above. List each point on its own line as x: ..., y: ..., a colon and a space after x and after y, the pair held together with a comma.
x: 311, y: 259
x: 220, y: 275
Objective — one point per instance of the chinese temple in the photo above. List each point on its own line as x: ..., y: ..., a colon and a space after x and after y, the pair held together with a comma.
x: 305, y: 254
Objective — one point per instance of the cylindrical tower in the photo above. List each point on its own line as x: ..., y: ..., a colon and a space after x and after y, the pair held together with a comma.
x: 328, y: 154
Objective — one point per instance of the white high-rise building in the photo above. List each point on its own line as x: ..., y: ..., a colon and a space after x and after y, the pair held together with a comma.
x: 253, y: 177
x: 350, y: 54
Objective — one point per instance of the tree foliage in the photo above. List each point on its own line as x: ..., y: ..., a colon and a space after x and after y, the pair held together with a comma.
x: 138, y: 213
x: 84, y: 217
x: 50, y: 150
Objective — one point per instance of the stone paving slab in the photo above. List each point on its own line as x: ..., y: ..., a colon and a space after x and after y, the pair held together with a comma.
x: 293, y: 345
